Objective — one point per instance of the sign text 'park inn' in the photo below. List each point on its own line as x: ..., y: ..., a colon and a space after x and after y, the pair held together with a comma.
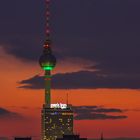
x: 59, y: 105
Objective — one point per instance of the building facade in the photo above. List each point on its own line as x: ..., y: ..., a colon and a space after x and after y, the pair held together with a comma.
x: 56, y: 122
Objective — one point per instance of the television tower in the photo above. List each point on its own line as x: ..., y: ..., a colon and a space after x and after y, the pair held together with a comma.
x: 56, y: 119
x: 47, y: 60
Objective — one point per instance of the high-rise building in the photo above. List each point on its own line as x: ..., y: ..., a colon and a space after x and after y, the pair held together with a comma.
x: 23, y: 138
x: 57, y: 119
x: 56, y: 122
x: 71, y: 137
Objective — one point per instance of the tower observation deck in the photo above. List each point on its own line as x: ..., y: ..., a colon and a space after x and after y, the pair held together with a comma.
x: 56, y: 119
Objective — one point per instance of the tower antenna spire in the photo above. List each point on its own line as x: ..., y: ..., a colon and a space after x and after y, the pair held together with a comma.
x: 47, y: 43
x: 67, y: 98
x: 48, y: 19
x: 102, y: 136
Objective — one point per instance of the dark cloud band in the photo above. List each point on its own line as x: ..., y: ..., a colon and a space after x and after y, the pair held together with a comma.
x: 84, y: 80
x: 97, y: 113
x: 6, y: 114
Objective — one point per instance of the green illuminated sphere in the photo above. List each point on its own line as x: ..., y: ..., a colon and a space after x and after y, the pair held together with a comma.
x: 47, y: 61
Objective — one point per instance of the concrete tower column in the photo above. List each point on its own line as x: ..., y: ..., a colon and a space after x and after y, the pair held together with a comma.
x: 47, y: 88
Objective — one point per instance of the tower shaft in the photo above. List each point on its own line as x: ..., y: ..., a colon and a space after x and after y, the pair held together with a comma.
x: 47, y: 88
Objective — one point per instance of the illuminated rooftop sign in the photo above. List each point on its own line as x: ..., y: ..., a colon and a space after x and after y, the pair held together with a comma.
x: 59, y: 105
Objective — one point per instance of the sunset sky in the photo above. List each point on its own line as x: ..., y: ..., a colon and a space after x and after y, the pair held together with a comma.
x: 97, y: 46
